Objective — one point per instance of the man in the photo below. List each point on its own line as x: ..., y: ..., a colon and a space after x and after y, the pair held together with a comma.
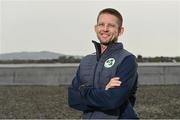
x: 106, y: 81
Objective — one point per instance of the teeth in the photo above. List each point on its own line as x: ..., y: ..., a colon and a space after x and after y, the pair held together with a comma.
x: 104, y: 35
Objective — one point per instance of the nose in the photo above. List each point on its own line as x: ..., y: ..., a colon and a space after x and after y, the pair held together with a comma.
x: 106, y: 28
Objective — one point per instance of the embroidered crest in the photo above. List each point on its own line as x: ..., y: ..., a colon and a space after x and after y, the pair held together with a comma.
x: 109, y: 62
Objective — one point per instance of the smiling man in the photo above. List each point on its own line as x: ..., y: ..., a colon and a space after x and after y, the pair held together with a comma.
x: 106, y: 81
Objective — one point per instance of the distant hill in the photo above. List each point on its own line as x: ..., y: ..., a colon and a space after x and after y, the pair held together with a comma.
x: 30, y: 55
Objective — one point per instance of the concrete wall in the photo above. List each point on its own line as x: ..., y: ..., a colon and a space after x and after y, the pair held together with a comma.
x: 159, y: 73
x: 56, y: 74
x: 39, y: 74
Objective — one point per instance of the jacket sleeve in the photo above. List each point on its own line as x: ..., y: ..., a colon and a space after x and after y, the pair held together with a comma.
x: 75, y: 100
x: 114, y: 97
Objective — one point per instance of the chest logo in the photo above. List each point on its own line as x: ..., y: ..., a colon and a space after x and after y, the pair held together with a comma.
x: 109, y: 62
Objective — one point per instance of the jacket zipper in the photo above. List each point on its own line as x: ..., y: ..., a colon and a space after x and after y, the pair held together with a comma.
x: 93, y: 82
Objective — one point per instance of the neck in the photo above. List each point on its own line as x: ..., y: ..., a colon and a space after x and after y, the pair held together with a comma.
x: 103, y: 48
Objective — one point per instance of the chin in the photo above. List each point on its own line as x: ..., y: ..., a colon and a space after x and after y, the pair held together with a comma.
x: 105, y: 42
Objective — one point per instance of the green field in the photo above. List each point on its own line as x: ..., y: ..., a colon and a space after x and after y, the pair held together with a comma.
x: 43, y: 102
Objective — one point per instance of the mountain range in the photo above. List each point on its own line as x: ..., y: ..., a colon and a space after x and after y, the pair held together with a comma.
x: 30, y: 55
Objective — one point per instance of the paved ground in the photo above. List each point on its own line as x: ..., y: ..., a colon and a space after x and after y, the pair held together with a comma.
x: 43, y: 102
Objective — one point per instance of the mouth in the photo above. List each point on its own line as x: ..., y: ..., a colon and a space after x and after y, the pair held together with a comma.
x: 104, y: 35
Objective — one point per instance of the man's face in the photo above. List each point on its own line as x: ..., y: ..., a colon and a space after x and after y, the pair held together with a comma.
x: 107, y: 28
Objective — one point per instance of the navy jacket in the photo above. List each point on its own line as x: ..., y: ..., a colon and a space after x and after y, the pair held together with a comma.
x: 87, y: 92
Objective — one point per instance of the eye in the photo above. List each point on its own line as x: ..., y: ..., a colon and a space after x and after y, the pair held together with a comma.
x: 100, y: 24
x: 111, y: 25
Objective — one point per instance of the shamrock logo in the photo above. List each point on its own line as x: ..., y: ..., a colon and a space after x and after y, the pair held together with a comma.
x: 109, y: 62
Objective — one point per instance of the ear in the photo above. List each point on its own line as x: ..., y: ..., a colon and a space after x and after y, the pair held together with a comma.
x: 95, y: 28
x: 121, y: 31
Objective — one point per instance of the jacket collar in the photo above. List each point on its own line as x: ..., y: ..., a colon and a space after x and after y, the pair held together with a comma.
x: 110, y: 49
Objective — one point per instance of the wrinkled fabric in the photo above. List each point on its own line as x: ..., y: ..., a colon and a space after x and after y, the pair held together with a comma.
x: 87, y: 92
